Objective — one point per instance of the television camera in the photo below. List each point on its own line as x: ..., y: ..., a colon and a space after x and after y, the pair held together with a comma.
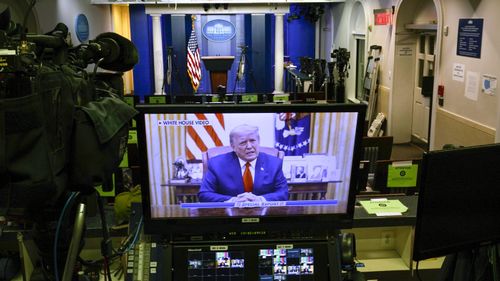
x: 328, y: 76
x: 63, y: 129
x: 341, y: 58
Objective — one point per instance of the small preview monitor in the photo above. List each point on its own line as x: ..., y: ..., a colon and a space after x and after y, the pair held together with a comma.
x: 458, y: 205
x: 300, y: 261
x: 302, y: 165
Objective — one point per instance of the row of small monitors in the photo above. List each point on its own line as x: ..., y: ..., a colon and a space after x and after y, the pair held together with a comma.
x: 273, y: 264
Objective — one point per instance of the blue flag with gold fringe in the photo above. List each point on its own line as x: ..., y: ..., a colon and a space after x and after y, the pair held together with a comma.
x: 292, y: 132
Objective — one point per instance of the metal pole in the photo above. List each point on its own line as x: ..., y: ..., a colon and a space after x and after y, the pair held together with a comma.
x: 75, y: 243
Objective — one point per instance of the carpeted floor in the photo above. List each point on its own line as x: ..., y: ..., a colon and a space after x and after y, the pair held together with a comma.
x: 406, y: 151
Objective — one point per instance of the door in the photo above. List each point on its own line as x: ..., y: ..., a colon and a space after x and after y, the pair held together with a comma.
x: 424, y: 68
x: 360, y: 67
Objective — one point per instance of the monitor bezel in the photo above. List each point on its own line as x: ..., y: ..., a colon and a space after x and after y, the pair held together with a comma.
x: 183, y: 228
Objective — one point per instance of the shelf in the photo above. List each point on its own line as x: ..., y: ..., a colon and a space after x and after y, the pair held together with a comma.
x: 421, y: 26
x: 383, y: 264
x: 388, y: 248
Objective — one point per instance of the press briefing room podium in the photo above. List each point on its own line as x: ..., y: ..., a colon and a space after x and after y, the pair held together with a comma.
x: 218, y: 67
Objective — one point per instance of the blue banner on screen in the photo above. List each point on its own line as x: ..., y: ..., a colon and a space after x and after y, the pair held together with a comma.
x: 293, y: 132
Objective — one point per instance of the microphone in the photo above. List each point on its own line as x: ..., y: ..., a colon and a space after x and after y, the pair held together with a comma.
x: 243, y: 48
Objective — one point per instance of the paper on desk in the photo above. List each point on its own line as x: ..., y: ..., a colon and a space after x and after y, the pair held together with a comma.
x: 386, y: 206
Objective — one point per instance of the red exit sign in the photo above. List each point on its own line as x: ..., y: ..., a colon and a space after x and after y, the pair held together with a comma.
x: 383, y: 16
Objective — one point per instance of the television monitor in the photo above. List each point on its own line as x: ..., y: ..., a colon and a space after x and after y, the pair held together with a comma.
x: 458, y: 206
x: 322, y: 140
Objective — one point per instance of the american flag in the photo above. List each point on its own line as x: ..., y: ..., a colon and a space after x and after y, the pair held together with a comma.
x: 201, y: 138
x: 193, y: 60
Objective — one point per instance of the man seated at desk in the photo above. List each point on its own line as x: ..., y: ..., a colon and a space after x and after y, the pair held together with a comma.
x: 244, y: 175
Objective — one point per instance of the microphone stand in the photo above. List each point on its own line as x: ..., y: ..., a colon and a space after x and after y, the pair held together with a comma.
x: 241, y: 68
x: 176, y: 71
x: 167, y: 77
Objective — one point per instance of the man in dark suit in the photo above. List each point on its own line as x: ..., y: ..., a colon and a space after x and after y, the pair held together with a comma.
x: 244, y: 175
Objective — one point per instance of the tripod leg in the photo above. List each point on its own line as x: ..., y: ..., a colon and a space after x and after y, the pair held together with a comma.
x: 75, y: 242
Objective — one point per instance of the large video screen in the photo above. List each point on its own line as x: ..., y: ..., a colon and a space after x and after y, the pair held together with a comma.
x: 255, y: 162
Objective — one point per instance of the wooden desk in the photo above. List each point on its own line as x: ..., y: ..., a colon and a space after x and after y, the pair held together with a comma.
x: 176, y: 211
x: 187, y: 192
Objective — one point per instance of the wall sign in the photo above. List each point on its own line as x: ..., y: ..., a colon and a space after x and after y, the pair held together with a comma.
x: 383, y: 16
x: 219, y: 30
x: 82, y: 28
x: 405, y: 51
x: 470, y: 36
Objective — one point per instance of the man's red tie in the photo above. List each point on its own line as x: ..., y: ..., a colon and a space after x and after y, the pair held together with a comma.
x: 247, y: 178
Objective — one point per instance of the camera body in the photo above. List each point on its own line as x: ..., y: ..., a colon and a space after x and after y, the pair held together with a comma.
x: 62, y: 128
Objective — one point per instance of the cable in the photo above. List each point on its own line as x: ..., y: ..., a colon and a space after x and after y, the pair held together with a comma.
x: 59, y: 223
x: 136, y: 236
x: 417, y: 272
x: 106, y: 269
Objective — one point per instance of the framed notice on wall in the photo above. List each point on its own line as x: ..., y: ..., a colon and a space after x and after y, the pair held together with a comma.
x: 470, y: 36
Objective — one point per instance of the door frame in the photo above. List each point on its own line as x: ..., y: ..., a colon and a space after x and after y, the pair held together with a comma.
x: 398, y: 101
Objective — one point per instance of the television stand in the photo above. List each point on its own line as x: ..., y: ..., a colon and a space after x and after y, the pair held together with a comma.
x: 244, y: 260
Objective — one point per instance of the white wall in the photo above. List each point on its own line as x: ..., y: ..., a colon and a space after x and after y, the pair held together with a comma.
x: 378, y: 35
x: 51, y: 12
x: 484, y: 110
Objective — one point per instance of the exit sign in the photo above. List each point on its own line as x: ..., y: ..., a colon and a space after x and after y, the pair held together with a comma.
x: 383, y: 16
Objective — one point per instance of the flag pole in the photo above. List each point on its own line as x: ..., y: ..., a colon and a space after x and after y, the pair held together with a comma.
x: 193, y: 58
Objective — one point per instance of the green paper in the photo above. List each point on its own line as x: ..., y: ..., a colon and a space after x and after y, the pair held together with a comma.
x: 129, y: 100
x: 157, y: 99
x: 280, y: 98
x: 383, y: 206
x: 132, y: 136
x: 402, y: 175
x: 215, y: 99
x: 124, y: 163
x: 249, y: 98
